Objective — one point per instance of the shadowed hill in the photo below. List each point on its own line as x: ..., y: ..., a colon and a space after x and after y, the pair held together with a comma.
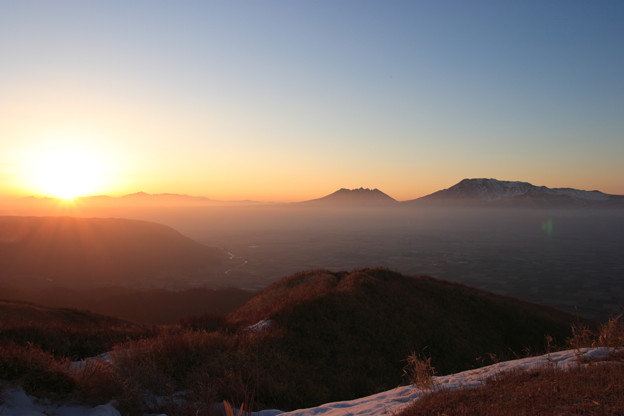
x: 353, y: 330
x: 152, y: 306
x: 17, y: 312
x: 101, y: 251
x: 64, y: 332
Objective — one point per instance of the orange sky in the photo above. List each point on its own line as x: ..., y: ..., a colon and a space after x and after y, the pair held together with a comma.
x: 234, y: 101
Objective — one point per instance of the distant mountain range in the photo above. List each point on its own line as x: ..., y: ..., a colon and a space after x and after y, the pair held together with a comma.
x: 142, y: 198
x: 137, y: 199
x: 474, y: 192
x: 479, y: 192
x: 493, y: 192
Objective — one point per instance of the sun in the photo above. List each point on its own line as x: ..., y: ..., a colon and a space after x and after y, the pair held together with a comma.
x: 67, y: 172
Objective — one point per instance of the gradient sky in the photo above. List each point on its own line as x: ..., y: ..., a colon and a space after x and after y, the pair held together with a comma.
x: 291, y: 100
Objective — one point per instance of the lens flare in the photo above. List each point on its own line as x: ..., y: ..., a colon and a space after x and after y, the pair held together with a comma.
x: 548, y: 227
x: 66, y: 172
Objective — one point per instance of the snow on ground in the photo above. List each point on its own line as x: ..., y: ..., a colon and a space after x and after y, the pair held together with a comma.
x: 393, y: 401
x: 14, y: 402
x: 259, y: 326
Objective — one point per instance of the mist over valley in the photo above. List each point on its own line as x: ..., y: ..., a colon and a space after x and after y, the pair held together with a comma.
x: 564, y: 253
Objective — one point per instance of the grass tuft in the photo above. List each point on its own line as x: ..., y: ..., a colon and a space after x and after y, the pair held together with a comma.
x: 419, y: 371
x: 609, y: 334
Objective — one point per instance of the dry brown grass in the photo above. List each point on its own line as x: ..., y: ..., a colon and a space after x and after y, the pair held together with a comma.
x: 65, y: 333
x: 419, y: 370
x: 35, y: 370
x: 610, y: 334
x: 595, y: 389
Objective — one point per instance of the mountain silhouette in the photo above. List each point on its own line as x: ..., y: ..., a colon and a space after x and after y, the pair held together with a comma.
x: 493, y: 192
x: 354, y: 197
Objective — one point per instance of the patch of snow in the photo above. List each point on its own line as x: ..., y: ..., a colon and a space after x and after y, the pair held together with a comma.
x: 219, y: 409
x: 270, y: 412
x: 259, y: 326
x: 493, y: 189
x: 106, y: 358
x: 14, y: 402
x: 586, y: 195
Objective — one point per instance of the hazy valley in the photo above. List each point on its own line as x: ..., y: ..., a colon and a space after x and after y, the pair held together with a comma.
x: 565, y: 255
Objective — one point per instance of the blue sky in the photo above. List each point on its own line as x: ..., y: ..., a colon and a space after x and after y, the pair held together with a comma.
x: 284, y: 100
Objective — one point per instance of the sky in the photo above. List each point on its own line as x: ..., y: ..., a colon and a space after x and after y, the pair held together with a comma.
x: 290, y: 100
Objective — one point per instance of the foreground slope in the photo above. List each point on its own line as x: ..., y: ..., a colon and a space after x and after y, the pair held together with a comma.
x: 411, y: 400
x: 101, y: 251
x: 322, y: 337
x: 62, y: 332
x: 343, y: 335
x: 591, y: 398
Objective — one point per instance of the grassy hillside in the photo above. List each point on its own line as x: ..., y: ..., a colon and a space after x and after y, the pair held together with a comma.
x: 332, y: 336
x: 353, y: 330
x: 96, y: 251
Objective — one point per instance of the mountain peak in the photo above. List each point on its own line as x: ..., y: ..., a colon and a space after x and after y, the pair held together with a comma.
x: 494, y: 191
x: 357, y: 196
x: 489, y: 189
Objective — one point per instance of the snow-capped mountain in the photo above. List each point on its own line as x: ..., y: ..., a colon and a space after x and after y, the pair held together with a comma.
x: 493, y: 191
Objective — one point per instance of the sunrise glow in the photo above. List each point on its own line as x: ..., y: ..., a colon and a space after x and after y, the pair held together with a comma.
x: 65, y: 172
x: 221, y: 100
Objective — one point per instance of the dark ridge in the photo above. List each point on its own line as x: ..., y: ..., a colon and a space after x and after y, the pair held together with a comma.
x: 152, y: 307
x: 15, y: 312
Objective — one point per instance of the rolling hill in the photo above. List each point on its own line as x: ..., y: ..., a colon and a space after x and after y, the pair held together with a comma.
x: 144, y: 306
x: 17, y: 312
x: 343, y: 335
x: 87, y: 252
